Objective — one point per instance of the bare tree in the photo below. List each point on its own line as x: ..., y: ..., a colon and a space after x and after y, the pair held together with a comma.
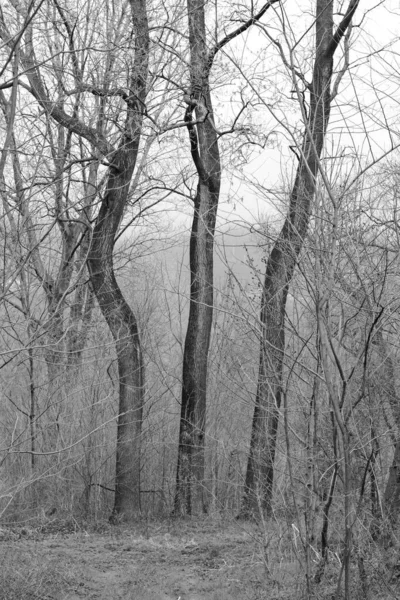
x: 121, y: 162
x: 190, y: 494
x: 284, y: 254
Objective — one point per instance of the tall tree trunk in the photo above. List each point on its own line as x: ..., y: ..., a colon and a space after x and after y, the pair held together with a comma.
x: 118, y: 314
x: 282, y: 262
x: 123, y: 326
x: 190, y: 495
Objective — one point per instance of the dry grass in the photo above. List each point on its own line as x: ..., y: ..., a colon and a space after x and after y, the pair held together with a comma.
x: 27, y: 575
x: 208, y: 559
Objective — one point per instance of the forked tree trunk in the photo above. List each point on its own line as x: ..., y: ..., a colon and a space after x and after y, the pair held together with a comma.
x: 190, y: 497
x: 282, y: 262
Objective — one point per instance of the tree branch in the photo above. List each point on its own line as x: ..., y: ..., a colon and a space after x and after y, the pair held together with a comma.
x: 342, y: 71
x: 342, y: 27
x: 237, y: 32
x: 54, y: 109
x: 17, y: 36
x: 194, y: 145
x: 70, y: 31
x: 97, y: 91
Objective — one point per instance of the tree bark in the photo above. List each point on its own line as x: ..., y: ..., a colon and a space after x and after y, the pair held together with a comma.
x: 123, y: 326
x: 191, y: 491
x: 118, y: 314
x: 282, y: 262
x: 190, y: 497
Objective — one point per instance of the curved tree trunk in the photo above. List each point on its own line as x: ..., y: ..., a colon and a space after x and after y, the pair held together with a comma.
x: 122, y: 161
x: 118, y: 314
x: 123, y: 326
x: 282, y: 262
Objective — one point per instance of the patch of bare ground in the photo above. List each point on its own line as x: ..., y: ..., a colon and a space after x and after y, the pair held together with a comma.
x: 174, y: 560
x: 185, y: 560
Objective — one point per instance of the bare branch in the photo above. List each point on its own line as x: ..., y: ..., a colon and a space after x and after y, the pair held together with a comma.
x: 342, y: 71
x: 342, y: 27
x: 237, y: 32
x: 54, y: 109
x: 194, y: 144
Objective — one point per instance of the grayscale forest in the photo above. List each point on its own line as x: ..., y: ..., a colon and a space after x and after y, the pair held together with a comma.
x: 199, y: 292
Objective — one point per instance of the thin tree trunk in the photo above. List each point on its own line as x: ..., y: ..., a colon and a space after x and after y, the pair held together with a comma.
x: 80, y: 318
x: 282, y: 262
x: 32, y: 409
x: 54, y: 357
x: 385, y: 385
x: 190, y: 494
x: 82, y: 305
x: 392, y: 490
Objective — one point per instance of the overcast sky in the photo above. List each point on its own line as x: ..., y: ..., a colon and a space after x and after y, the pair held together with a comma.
x: 366, y: 106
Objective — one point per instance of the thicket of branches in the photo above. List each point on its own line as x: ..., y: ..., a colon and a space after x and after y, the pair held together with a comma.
x: 149, y: 363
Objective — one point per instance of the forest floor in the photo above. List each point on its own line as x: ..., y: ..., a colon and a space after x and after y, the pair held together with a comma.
x: 174, y: 560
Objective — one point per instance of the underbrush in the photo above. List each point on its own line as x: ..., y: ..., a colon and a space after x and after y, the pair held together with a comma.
x: 221, y: 559
x: 25, y: 575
